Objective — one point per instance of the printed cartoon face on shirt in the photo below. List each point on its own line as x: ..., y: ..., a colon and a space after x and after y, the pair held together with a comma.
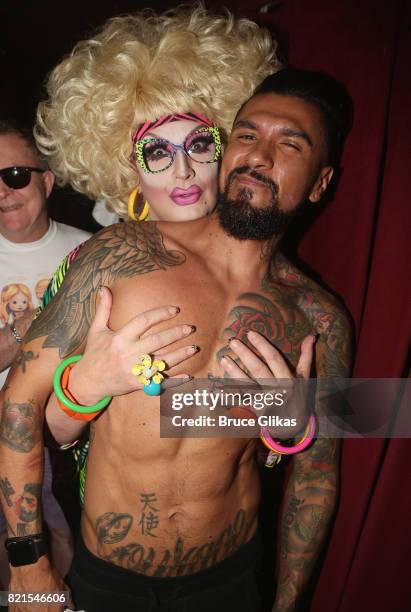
x: 15, y: 301
x: 40, y: 288
x: 18, y: 304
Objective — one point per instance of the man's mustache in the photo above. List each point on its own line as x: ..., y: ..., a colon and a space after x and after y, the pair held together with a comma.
x: 255, y: 175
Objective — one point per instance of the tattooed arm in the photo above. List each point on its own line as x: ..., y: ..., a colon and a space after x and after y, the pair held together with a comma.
x: 21, y: 442
x: 8, y: 345
x: 119, y: 251
x: 133, y: 250
x: 312, y: 490
x: 21, y: 467
x: 115, y: 352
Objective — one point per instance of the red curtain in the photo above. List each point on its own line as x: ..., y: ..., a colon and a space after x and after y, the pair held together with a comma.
x: 359, y: 246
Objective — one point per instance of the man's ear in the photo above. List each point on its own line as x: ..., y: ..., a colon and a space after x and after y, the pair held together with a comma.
x: 48, y: 182
x: 321, y: 184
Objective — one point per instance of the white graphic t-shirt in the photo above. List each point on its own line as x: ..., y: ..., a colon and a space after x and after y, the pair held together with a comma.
x: 26, y: 268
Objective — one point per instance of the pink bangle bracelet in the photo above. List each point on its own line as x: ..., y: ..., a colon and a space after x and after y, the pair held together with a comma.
x: 307, y: 438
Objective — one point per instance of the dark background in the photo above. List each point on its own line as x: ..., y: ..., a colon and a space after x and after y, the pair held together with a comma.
x: 34, y: 36
x: 358, y: 244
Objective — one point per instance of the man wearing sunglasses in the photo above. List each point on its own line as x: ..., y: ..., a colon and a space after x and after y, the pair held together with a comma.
x: 31, y: 245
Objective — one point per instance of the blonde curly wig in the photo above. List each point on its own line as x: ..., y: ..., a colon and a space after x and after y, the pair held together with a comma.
x: 138, y: 68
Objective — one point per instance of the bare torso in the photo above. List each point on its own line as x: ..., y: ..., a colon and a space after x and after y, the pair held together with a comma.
x: 185, y: 503
x: 168, y: 507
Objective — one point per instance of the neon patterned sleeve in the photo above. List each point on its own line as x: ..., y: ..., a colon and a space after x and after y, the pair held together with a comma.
x: 80, y: 451
x: 58, y: 277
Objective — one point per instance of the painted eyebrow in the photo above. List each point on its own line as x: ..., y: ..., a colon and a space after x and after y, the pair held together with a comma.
x: 297, y: 134
x: 195, y: 129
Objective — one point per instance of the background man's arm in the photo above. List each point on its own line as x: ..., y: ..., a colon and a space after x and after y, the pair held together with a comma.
x: 312, y: 490
x: 9, y: 347
x: 21, y: 459
x: 51, y: 336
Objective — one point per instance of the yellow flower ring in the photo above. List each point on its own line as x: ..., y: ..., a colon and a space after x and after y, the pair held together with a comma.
x: 149, y: 373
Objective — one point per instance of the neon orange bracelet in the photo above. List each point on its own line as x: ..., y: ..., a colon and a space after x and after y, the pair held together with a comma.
x: 79, y: 416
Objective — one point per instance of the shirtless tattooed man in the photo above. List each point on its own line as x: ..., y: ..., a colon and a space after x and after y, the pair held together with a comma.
x: 172, y: 524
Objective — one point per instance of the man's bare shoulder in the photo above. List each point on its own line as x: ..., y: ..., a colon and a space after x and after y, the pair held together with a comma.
x: 309, y: 295
x: 123, y: 250
x: 125, y: 237
x: 327, y: 315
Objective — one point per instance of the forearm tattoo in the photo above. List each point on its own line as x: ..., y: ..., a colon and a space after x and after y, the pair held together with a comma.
x: 26, y: 506
x: 21, y: 426
x: 308, y: 509
x: 7, y: 490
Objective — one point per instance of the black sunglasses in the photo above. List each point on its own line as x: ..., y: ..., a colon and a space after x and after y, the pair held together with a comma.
x: 17, y: 177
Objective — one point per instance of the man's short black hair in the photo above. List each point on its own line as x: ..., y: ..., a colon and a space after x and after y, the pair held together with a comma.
x: 326, y: 93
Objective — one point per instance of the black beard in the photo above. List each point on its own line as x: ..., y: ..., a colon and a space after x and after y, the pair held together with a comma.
x: 241, y: 220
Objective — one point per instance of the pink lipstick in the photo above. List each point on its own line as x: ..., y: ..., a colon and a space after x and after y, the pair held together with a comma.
x: 185, y: 197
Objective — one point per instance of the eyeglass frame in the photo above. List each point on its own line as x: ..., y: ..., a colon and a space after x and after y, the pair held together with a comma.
x: 27, y: 168
x: 139, y: 145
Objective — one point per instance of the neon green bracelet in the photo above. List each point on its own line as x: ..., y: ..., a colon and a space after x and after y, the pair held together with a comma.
x: 62, y: 397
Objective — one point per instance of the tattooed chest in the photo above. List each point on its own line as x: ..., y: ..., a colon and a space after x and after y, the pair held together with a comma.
x: 281, y: 322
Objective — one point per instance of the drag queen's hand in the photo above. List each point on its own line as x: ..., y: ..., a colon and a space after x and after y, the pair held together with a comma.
x: 109, y: 357
x: 273, y: 373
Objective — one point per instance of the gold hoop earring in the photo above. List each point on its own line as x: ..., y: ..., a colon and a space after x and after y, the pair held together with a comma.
x: 131, y: 202
x: 144, y: 213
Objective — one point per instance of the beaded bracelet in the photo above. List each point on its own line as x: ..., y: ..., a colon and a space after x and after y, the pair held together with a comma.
x: 16, y: 334
x: 65, y: 399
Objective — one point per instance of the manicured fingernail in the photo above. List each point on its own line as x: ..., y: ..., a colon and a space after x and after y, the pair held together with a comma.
x: 173, y: 310
x: 234, y: 343
x: 192, y: 349
x: 231, y: 339
x: 188, y: 329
